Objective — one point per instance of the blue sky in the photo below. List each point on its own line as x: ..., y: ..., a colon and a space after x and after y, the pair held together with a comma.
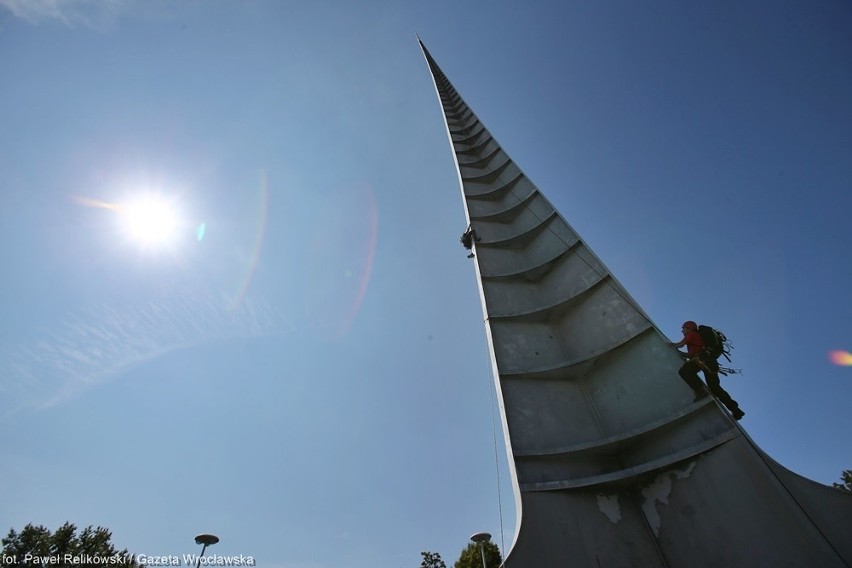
x: 309, y: 377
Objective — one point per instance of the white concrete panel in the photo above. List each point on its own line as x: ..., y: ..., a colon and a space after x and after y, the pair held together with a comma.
x: 544, y: 414
x: 482, y: 185
x: 568, y: 276
x: 529, y: 251
x: 499, y: 201
x: 519, y: 220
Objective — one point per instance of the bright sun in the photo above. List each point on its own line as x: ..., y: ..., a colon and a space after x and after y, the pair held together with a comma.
x: 150, y: 221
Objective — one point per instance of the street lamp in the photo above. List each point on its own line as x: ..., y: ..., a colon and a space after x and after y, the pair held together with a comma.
x: 480, y: 539
x: 206, y: 540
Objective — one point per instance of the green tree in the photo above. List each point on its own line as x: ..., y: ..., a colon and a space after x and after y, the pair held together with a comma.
x: 471, y: 557
x: 845, y: 484
x: 432, y: 560
x: 62, y: 548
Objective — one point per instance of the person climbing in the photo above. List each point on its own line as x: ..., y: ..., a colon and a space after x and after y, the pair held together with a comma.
x: 699, y: 359
x: 468, y: 238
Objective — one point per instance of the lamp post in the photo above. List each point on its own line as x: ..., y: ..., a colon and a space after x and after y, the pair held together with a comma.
x: 206, y: 540
x: 481, y: 538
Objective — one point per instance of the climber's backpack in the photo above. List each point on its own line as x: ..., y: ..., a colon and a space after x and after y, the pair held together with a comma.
x: 715, y: 342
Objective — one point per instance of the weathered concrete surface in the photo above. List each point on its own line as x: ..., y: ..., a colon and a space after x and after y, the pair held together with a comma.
x: 612, y: 462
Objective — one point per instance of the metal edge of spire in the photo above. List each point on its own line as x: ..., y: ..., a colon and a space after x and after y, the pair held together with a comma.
x: 495, y: 371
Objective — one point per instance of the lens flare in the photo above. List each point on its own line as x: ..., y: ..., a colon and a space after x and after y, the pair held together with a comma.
x: 840, y: 358
x: 336, y: 267
x: 148, y: 219
x: 96, y: 203
x: 262, y: 213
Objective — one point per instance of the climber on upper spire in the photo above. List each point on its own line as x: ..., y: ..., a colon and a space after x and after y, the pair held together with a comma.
x: 700, y: 359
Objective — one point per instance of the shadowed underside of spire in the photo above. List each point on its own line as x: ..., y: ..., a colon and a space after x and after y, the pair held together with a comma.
x: 612, y: 462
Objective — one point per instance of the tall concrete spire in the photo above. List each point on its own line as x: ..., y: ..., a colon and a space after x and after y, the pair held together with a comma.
x: 613, y: 463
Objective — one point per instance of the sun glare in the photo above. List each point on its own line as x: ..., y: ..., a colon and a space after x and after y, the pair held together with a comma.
x: 150, y: 221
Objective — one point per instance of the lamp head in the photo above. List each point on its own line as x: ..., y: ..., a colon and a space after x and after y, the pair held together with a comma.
x: 206, y: 539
